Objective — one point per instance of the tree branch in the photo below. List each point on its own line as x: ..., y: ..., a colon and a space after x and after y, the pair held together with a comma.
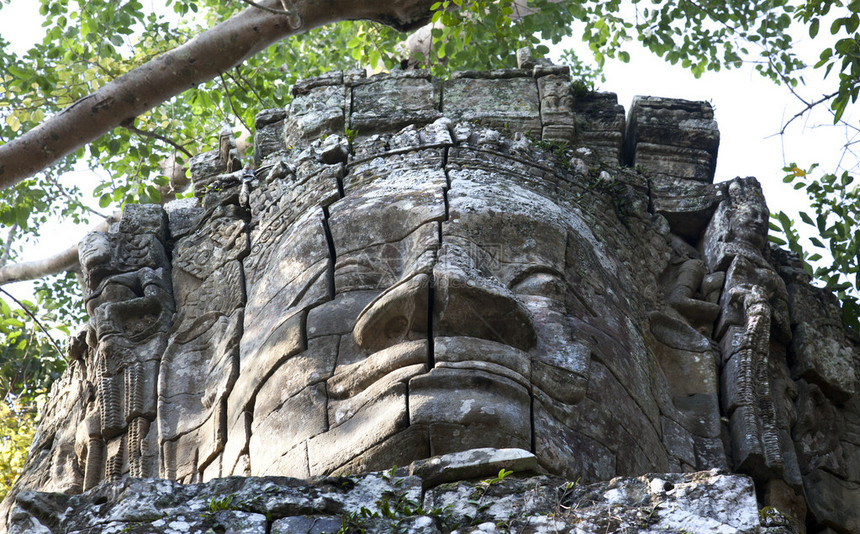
x: 153, y: 135
x: 230, y: 100
x: 35, y: 320
x: 7, y: 246
x: 267, y: 9
x: 200, y: 59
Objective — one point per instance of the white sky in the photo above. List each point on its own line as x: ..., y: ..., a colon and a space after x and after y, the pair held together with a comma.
x: 749, y: 109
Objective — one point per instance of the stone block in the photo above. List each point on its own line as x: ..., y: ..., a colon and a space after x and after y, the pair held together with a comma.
x: 293, y: 463
x: 352, y: 379
x: 286, y: 340
x: 140, y: 219
x: 269, y: 136
x: 824, y: 356
x: 556, y: 108
x: 699, y: 413
x: 687, y: 205
x: 380, y: 265
x: 197, y: 376
x: 238, y: 434
x: 374, y: 423
x: 206, y: 164
x: 306, y: 525
x: 505, y: 104
x: 305, y: 86
x: 387, y: 103
x: 471, y: 464
x: 338, y: 316
x: 820, y: 352
x: 470, y: 406
x: 679, y: 442
x: 275, y: 432
x: 317, y: 111
x: 675, y: 162
x: 674, y: 122
x: 675, y: 137
x: 308, y: 367
x: 409, y: 445
x: 183, y: 216
x: 832, y: 500
x: 281, y: 258
x: 569, y: 452
x: 600, y: 125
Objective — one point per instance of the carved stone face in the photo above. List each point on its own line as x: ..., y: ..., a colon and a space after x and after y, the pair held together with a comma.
x: 750, y: 224
x: 750, y: 214
x: 466, y: 308
x: 94, y: 251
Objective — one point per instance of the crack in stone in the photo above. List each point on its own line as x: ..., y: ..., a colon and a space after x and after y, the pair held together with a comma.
x: 332, y: 255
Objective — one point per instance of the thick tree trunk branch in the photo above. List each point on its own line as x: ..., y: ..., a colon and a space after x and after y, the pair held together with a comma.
x: 203, y: 58
x: 59, y: 263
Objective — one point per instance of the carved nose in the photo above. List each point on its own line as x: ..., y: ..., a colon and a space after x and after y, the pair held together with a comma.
x: 477, y: 306
x: 394, y: 315
x: 463, y: 306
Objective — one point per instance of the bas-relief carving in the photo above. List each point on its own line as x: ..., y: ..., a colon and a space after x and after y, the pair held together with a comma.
x: 355, y: 304
x: 752, y: 325
x: 130, y: 302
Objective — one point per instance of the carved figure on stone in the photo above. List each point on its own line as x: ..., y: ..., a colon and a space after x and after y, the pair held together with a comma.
x: 754, y: 316
x: 131, y: 307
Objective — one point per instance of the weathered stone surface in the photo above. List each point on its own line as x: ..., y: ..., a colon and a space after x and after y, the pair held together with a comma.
x: 269, y: 135
x: 505, y: 103
x: 600, y: 125
x: 556, y: 108
x: 651, y: 503
x: 313, y: 112
x: 673, y: 137
x: 437, y: 281
x: 687, y: 205
x: 391, y: 502
x: 474, y: 463
x: 820, y: 350
x: 386, y: 103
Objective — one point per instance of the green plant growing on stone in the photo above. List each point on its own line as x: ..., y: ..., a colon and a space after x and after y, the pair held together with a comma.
x: 652, y: 514
x: 482, y: 487
x: 218, y: 505
x: 350, y: 134
x: 582, y: 87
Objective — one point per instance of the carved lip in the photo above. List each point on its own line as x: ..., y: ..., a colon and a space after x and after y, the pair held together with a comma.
x: 463, y: 352
x: 450, y: 352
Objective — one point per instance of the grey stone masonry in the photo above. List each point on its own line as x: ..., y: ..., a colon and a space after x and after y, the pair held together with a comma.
x: 675, y: 137
x: 413, y: 272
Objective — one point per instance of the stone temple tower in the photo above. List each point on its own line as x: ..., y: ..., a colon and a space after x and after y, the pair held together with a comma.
x: 499, y: 269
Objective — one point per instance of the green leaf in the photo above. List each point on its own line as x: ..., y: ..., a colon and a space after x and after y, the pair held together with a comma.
x: 775, y: 240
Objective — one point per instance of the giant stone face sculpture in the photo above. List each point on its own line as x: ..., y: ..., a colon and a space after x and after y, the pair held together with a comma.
x: 439, y: 281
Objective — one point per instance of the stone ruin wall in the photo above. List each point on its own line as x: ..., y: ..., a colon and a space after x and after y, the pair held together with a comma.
x: 317, y: 315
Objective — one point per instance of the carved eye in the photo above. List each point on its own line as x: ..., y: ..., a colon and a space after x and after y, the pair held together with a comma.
x: 540, y: 284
